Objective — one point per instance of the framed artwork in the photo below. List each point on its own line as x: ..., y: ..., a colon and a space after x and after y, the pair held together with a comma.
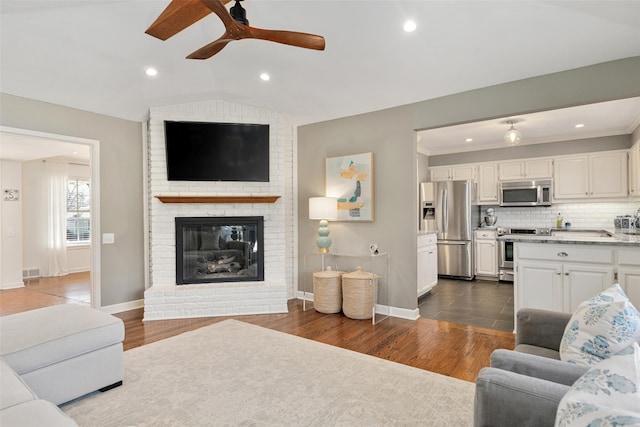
x: 350, y: 179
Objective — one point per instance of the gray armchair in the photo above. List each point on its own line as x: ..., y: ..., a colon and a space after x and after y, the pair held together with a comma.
x: 523, y: 387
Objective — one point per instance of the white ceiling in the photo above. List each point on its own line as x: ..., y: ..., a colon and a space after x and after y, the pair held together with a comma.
x: 620, y: 117
x: 22, y: 147
x: 91, y: 54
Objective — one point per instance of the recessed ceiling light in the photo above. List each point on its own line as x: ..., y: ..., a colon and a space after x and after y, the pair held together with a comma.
x: 266, y: 77
x: 410, y: 26
x: 468, y: 140
x: 151, y: 72
x: 580, y: 125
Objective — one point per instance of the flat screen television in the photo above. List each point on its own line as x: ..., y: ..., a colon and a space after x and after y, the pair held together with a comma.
x: 203, y: 151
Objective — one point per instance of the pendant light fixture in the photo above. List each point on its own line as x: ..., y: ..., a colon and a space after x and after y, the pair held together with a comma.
x: 513, y: 135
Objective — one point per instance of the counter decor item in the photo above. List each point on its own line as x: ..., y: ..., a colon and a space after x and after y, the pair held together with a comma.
x: 327, y: 291
x: 350, y: 180
x: 624, y: 222
x: 359, y: 294
x: 559, y: 221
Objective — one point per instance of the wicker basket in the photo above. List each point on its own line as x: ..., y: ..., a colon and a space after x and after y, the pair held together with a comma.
x: 359, y: 294
x: 327, y: 291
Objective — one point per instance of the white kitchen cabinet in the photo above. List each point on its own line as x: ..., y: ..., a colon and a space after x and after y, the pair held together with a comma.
x: 427, y: 263
x: 594, y: 176
x: 559, y: 277
x: 571, y: 178
x: 453, y: 173
x: 538, y: 284
x: 634, y: 170
x: 440, y: 173
x: 488, y: 183
x: 629, y: 273
x: 608, y: 174
x: 526, y: 169
x: 581, y: 282
x: 511, y: 170
x: 486, y: 253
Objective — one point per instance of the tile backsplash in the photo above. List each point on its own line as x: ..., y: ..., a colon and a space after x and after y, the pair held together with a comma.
x: 580, y: 215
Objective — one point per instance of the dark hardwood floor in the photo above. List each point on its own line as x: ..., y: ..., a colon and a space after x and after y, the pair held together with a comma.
x: 483, y: 303
x: 447, y: 348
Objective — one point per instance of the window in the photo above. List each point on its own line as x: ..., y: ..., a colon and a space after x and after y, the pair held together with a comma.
x: 78, y: 210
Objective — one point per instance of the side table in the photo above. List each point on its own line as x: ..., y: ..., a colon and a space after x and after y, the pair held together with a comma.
x: 377, y: 265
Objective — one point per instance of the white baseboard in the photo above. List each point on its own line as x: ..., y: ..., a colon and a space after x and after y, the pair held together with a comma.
x: 401, y: 313
x: 13, y: 285
x: 405, y: 313
x: 125, y: 306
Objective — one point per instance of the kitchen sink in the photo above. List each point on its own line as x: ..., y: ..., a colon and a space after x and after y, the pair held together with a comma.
x: 583, y: 234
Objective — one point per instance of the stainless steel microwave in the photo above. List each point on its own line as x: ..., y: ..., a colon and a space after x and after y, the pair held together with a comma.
x: 525, y: 193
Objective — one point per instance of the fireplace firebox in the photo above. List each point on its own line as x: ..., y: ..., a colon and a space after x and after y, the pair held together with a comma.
x: 219, y: 249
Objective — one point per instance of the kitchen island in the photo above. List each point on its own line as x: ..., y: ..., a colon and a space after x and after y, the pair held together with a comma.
x: 559, y: 271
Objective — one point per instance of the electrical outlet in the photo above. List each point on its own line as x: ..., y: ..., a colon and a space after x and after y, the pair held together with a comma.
x: 108, y: 238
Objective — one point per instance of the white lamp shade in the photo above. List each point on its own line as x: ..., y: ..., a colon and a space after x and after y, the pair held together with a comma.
x: 323, y: 208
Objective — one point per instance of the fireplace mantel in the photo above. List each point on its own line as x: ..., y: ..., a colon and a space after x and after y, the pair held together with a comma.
x: 218, y: 199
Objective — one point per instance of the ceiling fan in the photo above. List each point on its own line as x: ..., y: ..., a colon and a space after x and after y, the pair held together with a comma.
x: 182, y: 13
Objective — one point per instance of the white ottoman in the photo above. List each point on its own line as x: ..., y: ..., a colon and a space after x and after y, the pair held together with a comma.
x: 64, y: 351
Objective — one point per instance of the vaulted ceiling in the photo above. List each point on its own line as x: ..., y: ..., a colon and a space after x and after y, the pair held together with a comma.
x: 92, y: 54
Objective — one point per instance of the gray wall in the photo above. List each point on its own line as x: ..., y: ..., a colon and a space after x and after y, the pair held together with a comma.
x: 390, y: 135
x: 121, y: 196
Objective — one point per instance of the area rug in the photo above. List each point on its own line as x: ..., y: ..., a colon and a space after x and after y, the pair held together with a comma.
x: 233, y: 373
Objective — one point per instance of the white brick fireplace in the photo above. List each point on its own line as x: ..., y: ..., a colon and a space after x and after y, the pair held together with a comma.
x: 164, y: 299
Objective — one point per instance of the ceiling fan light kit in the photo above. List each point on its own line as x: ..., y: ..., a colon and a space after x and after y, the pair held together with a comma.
x: 513, y: 135
x: 180, y: 14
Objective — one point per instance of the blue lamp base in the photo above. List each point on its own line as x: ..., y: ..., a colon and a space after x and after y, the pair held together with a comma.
x: 323, y: 241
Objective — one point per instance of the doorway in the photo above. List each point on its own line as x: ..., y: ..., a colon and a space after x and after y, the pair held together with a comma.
x: 25, y: 145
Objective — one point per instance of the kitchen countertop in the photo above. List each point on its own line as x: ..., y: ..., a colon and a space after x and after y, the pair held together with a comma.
x: 422, y: 233
x: 618, y: 239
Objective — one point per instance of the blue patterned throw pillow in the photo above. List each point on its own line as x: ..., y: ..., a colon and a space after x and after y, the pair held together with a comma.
x: 600, y: 327
x: 608, y: 394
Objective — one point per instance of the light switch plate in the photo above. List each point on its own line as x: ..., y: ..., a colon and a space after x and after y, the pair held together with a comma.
x: 108, y: 238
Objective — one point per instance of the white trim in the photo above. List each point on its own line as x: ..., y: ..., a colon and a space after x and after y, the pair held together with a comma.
x: 401, y: 313
x: 294, y: 190
x: 125, y: 306
x: 94, y: 165
x: 404, y: 313
x: 145, y: 197
x: 14, y: 285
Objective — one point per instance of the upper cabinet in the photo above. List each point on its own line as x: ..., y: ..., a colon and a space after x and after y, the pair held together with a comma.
x: 634, y: 170
x: 453, y: 173
x: 591, y: 176
x: 488, y: 183
x: 605, y: 175
x: 525, y: 169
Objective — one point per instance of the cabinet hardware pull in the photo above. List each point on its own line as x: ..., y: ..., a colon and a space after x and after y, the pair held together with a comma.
x: 563, y: 254
x: 566, y: 274
x: 558, y: 273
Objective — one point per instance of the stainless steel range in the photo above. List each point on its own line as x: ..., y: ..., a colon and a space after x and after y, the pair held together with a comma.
x: 505, y: 249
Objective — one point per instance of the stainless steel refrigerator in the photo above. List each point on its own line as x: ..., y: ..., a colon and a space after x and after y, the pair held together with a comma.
x: 449, y: 208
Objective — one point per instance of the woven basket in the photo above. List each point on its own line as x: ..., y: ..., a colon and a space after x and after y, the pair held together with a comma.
x: 359, y: 294
x: 327, y: 291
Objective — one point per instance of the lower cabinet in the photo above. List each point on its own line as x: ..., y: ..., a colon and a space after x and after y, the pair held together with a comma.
x: 560, y: 277
x: 486, y: 253
x: 629, y: 273
x: 427, y: 263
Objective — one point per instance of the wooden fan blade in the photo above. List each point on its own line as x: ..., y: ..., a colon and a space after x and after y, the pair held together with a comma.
x: 212, y: 48
x: 179, y: 15
x: 217, y: 7
x: 291, y: 38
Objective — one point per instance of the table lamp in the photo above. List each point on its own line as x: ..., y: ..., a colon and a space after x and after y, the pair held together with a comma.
x: 323, y: 208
